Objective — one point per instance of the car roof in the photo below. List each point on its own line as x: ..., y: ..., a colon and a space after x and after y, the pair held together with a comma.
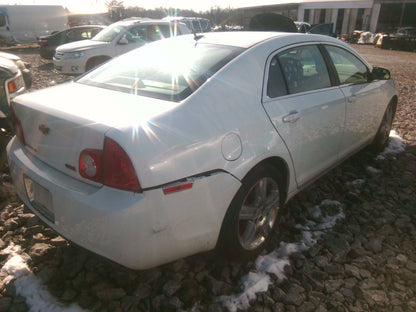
x: 246, y: 39
x: 133, y: 21
x: 86, y: 26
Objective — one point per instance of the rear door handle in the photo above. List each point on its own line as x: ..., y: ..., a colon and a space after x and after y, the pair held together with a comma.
x: 352, y: 99
x: 292, y: 117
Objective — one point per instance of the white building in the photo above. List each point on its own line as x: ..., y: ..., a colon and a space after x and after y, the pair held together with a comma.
x: 346, y: 16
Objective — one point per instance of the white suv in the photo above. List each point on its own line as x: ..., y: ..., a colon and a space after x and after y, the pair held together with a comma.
x: 77, y: 57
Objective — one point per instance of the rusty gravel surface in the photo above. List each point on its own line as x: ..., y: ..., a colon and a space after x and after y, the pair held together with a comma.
x: 367, y: 262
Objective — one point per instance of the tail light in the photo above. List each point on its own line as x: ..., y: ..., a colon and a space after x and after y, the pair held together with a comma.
x: 43, y: 43
x: 111, y: 166
x: 17, y: 126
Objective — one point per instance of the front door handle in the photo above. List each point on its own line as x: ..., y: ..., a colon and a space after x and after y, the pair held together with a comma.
x: 292, y: 117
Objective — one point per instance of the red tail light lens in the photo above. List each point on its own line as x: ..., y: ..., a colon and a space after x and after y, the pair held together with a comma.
x: 118, y: 169
x: 43, y: 43
x: 17, y: 126
x: 112, y: 166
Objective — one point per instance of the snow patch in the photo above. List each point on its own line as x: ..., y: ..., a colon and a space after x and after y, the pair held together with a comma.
x: 358, y: 182
x: 395, y: 146
x: 373, y: 170
x: 325, y: 215
x: 29, y: 286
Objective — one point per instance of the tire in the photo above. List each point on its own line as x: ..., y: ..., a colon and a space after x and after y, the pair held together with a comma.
x: 252, y: 215
x: 382, y: 137
x: 94, y: 62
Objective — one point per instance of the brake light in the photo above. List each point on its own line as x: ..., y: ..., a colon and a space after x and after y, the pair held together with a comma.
x: 43, y: 43
x: 17, y: 126
x: 111, y: 166
x: 12, y: 86
x: 118, y: 169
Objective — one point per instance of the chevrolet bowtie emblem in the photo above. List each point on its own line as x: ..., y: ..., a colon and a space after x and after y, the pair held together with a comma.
x: 45, y: 130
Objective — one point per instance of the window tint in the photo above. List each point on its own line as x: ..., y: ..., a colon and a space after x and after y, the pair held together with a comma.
x: 349, y: 68
x: 276, y: 85
x: 304, y: 69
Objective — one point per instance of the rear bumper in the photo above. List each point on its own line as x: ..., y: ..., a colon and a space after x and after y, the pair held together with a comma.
x: 138, y: 231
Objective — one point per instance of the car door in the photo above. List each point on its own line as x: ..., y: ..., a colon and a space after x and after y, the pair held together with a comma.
x: 306, y: 110
x: 131, y: 38
x: 363, y: 98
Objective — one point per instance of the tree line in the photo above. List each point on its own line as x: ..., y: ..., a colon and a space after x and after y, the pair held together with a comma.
x: 216, y: 15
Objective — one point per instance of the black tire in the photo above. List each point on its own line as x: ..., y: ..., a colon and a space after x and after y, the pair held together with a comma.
x: 382, y: 137
x: 94, y: 62
x: 247, y: 229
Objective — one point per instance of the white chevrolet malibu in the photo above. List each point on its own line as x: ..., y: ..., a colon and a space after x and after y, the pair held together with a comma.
x: 190, y: 144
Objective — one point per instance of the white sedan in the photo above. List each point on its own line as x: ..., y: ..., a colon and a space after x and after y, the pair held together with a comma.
x: 190, y: 144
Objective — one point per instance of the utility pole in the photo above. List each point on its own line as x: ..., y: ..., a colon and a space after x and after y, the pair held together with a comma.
x: 401, y: 15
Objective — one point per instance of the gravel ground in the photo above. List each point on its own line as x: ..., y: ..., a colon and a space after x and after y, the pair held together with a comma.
x: 364, y: 262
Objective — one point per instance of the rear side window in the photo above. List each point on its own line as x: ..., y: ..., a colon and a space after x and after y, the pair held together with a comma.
x: 349, y: 68
x: 276, y: 85
x: 304, y: 69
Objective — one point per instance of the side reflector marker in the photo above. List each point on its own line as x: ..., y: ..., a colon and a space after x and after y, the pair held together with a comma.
x: 177, y: 188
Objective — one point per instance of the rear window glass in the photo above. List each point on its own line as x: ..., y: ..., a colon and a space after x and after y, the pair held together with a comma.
x: 168, y: 69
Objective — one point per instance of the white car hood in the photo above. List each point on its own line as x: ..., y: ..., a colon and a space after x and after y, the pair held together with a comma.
x: 81, y: 45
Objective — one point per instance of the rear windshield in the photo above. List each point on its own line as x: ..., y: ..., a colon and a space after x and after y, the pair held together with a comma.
x: 168, y: 69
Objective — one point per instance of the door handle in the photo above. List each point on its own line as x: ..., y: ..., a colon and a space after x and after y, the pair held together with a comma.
x: 292, y: 117
x: 352, y: 99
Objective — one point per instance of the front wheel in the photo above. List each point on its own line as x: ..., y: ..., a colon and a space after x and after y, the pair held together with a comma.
x: 252, y: 215
x: 383, y: 133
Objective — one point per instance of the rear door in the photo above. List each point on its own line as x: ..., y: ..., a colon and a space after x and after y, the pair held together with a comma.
x: 306, y: 110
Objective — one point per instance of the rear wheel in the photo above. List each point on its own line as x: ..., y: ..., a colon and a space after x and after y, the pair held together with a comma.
x: 252, y: 215
x: 383, y: 133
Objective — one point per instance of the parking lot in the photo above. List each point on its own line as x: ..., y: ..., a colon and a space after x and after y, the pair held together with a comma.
x: 364, y: 262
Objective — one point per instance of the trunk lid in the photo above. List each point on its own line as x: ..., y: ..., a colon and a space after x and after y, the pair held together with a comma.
x: 61, y: 121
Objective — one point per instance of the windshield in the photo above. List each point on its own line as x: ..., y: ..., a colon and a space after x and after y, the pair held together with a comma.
x: 168, y: 69
x: 109, y: 33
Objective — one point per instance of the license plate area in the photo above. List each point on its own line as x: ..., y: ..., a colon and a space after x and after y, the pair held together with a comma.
x: 40, y: 198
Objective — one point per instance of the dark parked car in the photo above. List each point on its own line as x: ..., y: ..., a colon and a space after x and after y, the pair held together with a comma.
x: 48, y: 44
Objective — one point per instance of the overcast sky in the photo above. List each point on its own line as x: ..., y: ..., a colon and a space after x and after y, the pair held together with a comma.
x: 83, y: 6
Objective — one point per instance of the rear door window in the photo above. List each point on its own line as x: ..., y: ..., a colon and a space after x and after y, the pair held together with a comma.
x: 304, y: 69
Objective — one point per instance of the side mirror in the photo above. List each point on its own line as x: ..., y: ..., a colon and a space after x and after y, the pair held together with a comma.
x: 380, y: 73
x: 123, y: 41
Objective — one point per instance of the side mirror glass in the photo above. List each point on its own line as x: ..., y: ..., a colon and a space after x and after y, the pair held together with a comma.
x: 123, y: 41
x: 380, y: 73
